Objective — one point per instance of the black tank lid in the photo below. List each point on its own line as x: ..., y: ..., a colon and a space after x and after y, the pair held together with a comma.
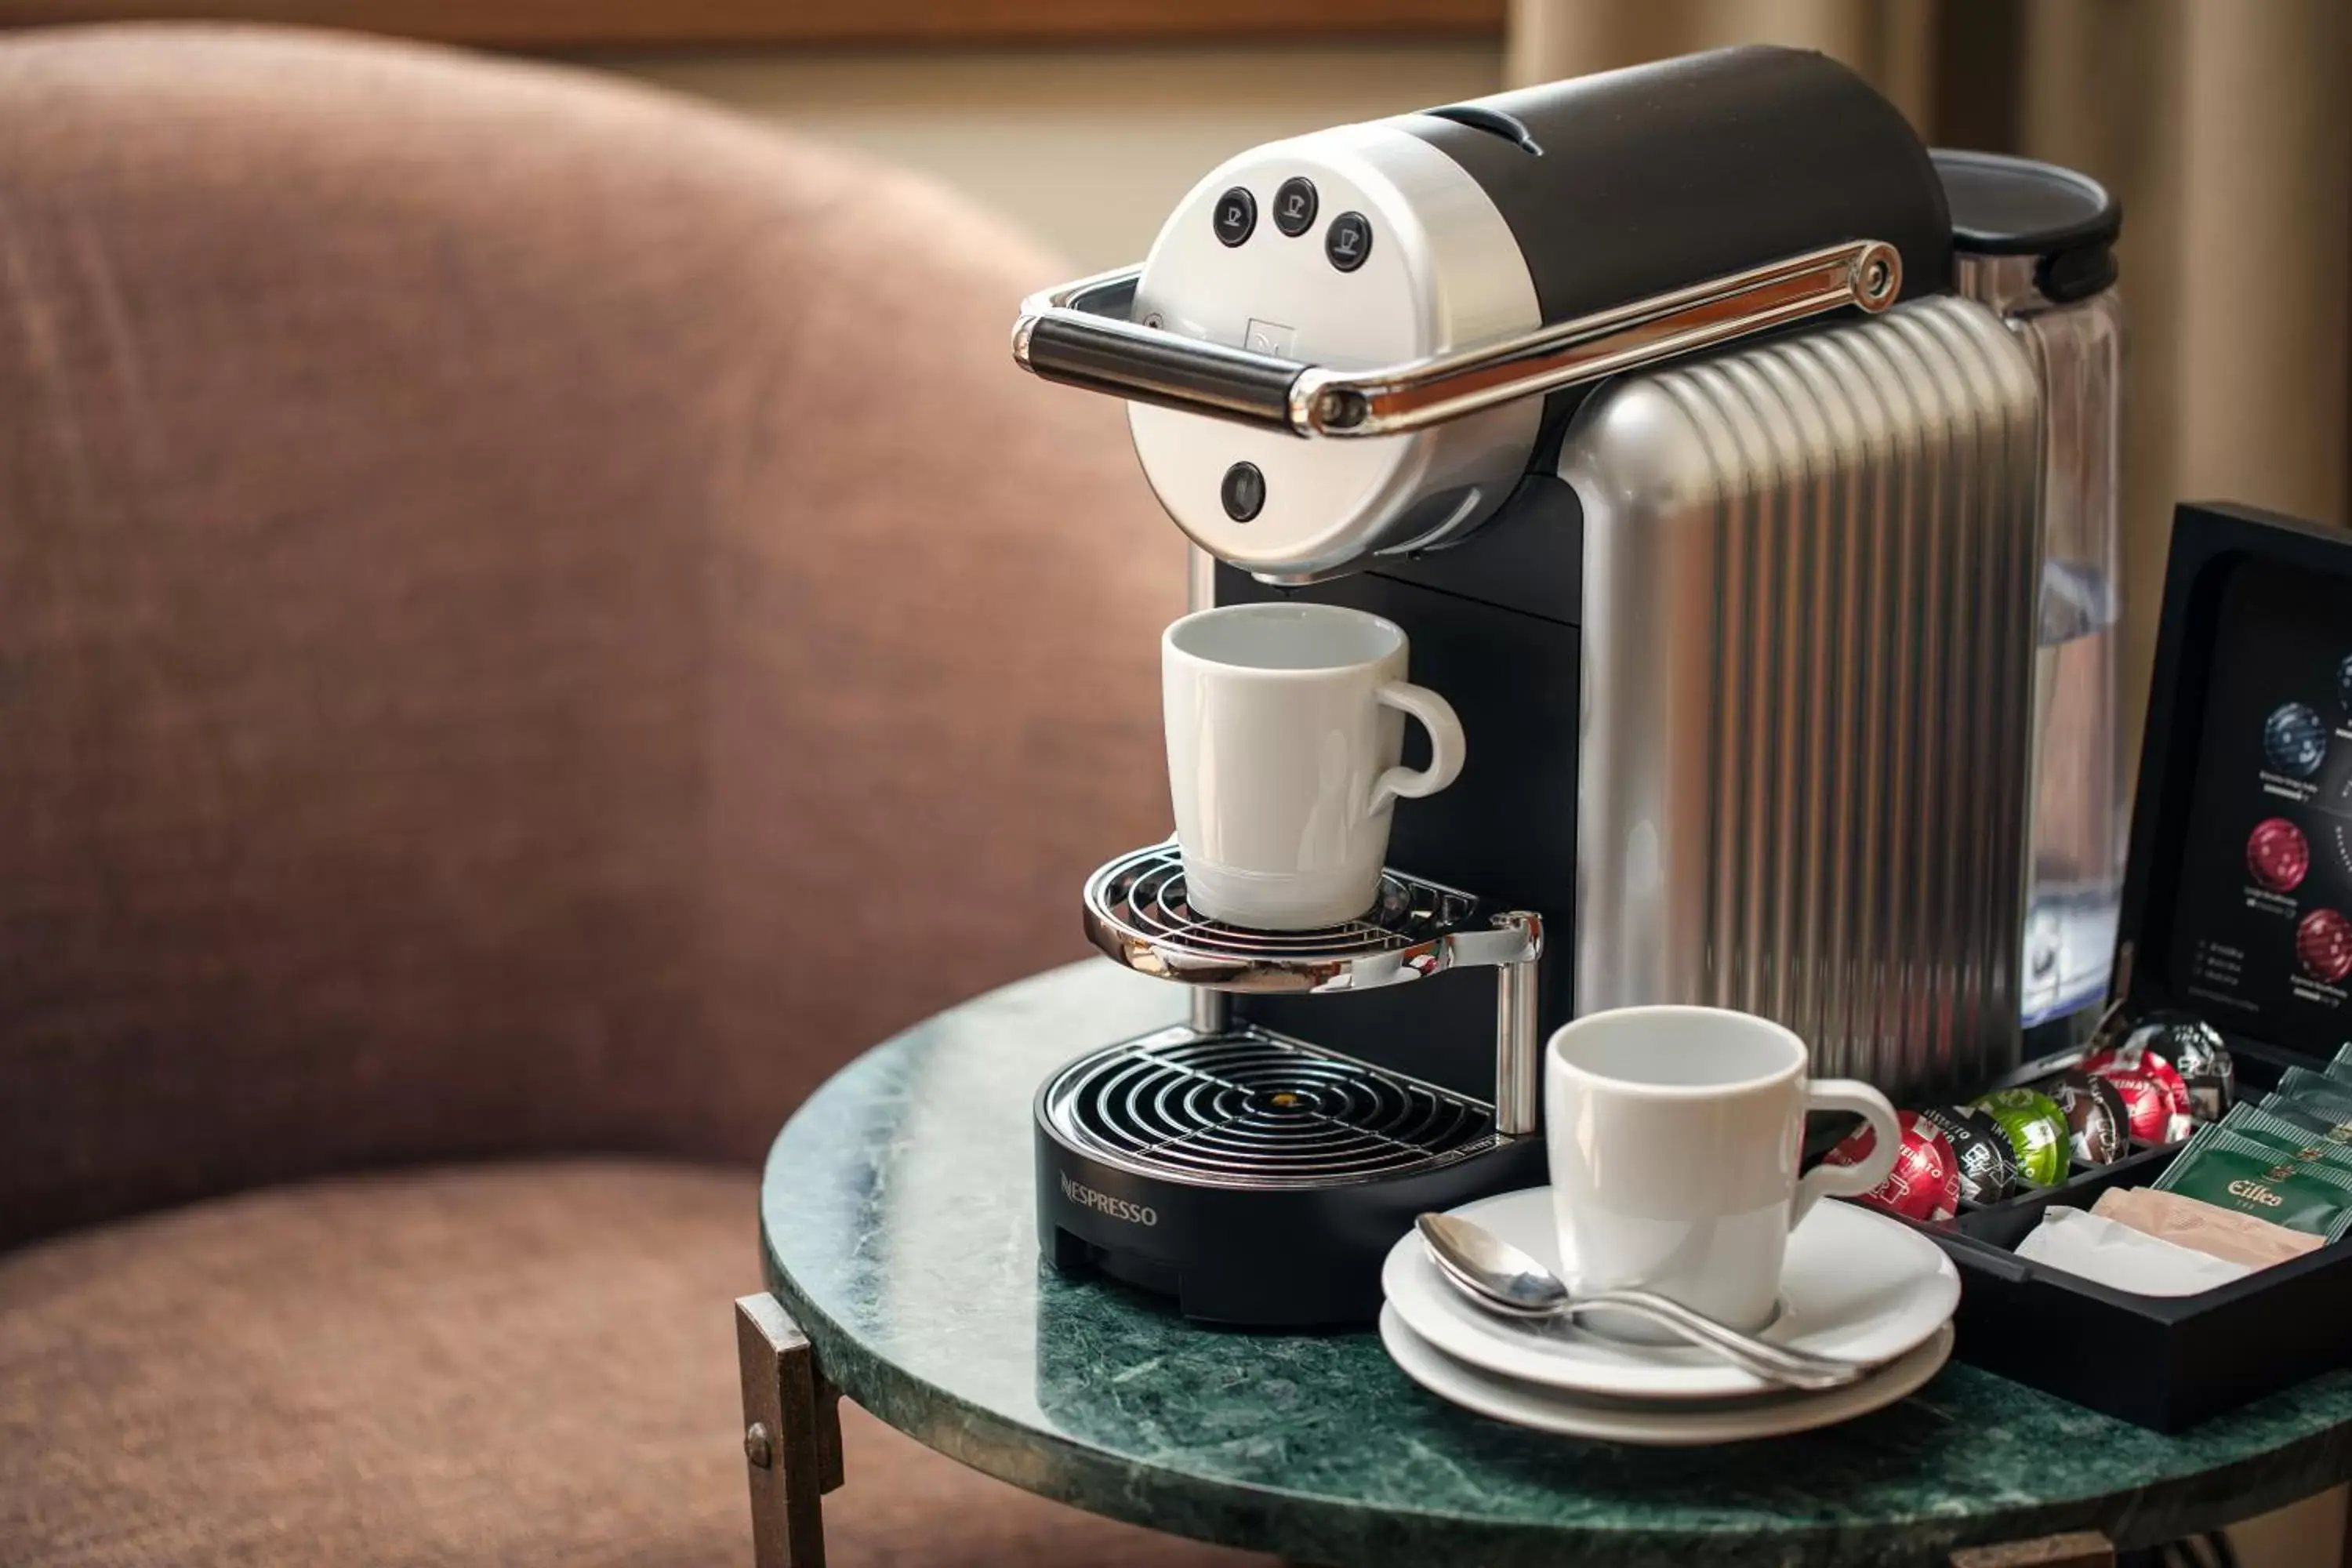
x: 2015, y: 206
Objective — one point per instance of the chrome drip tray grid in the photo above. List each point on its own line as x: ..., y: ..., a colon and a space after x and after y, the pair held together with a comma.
x: 1248, y: 1108
x: 1137, y: 912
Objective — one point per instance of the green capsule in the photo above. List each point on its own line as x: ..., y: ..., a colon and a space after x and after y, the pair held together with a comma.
x: 2035, y: 1128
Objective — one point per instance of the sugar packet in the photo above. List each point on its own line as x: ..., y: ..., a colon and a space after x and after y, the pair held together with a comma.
x: 2186, y: 1222
x: 2092, y: 1246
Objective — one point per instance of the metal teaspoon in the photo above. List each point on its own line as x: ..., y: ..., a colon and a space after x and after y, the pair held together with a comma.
x: 1505, y: 1280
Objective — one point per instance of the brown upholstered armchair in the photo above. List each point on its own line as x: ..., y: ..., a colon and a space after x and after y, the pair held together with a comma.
x: 535, y: 622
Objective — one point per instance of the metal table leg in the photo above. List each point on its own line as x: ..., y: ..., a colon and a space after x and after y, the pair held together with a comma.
x: 2083, y: 1549
x: 791, y: 1435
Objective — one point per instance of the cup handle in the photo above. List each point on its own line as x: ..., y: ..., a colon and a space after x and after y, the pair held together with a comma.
x: 1446, y: 746
x: 1849, y: 1181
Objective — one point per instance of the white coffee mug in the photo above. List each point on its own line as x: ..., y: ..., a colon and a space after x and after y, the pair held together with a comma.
x: 1674, y: 1135
x: 1285, y: 724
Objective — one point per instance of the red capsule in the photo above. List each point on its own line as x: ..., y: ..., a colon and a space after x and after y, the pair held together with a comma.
x: 2146, y: 1103
x: 2147, y: 1064
x: 1925, y: 1181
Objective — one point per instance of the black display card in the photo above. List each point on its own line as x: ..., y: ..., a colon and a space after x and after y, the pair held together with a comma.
x: 2238, y: 900
x: 2261, y: 938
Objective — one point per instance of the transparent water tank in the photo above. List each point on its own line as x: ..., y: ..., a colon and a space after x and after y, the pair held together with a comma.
x: 2036, y: 244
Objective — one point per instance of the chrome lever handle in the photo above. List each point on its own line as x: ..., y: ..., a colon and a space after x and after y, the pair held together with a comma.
x: 1071, y: 334
x: 1078, y: 334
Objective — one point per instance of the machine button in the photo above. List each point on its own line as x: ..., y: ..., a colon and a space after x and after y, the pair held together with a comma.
x: 1348, y: 241
x: 1243, y: 492
x: 1294, y: 206
x: 1236, y: 215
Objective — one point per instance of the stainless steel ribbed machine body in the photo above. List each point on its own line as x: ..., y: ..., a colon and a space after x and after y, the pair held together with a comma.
x: 1646, y: 405
x: 1809, y: 629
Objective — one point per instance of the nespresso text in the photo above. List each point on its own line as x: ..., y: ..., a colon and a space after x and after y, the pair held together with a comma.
x: 1104, y: 1204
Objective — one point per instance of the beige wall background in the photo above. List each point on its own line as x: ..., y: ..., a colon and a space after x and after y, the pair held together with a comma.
x: 1087, y: 148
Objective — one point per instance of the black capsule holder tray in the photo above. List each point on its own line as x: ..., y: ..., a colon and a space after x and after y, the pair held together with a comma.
x: 2257, y: 620
x: 2161, y: 1362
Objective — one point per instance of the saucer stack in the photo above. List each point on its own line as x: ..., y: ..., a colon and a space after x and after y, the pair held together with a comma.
x: 1857, y: 1284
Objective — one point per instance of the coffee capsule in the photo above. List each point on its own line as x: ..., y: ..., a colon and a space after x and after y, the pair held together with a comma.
x: 2037, y: 1130
x: 2197, y: 1052
x: 2098, y: 1127
x: 2147, y: 1105
x: 1987, y: 1164
x: 1925, y: 1181
x: 2155, y: 1067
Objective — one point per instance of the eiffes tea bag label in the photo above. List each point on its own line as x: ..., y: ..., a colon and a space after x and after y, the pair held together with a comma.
x: 2230, y: 1170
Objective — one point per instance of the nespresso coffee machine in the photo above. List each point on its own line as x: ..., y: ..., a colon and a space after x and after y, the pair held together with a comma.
x: 1652, y: 407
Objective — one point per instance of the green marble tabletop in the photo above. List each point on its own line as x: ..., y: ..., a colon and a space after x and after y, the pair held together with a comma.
x: 900, y: 1231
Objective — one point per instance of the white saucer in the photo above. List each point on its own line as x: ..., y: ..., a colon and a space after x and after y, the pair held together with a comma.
x: 1857, y: 1284
x: 1652, y: 1422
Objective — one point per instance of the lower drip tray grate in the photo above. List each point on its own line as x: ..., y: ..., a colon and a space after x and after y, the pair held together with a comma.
x: 1247, y: 1108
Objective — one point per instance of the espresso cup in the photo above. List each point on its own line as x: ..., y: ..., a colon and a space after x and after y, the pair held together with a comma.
x: 1285, y: 724
x: 1675, y: 1134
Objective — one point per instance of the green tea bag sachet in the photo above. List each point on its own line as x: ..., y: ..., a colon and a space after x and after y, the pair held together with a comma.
x: 2290, y: 1134
x: 2247, y: 1175
x: 2303, y: 1083
x: 2326, y: 1119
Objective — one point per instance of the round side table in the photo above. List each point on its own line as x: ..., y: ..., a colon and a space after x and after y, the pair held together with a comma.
x: 899, y: 1233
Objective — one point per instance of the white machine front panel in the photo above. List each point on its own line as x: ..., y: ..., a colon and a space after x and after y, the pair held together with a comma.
x: 1441, y: 271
